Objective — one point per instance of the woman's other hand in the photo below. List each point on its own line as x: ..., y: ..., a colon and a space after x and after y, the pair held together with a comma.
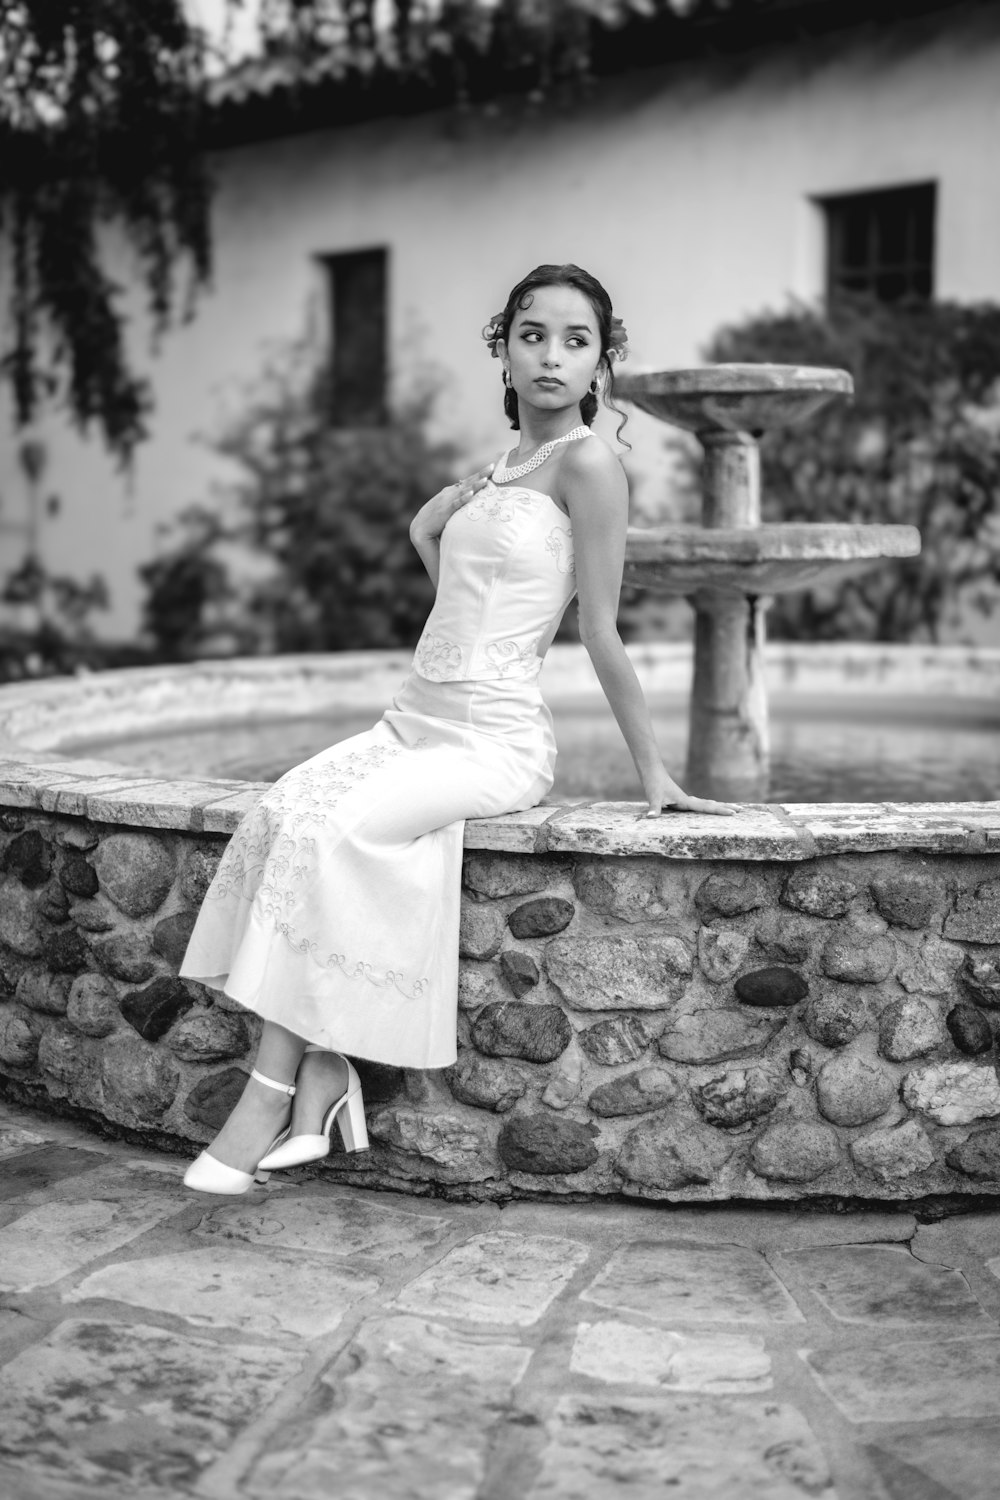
x: 664, y: 795
x: 431, y: 519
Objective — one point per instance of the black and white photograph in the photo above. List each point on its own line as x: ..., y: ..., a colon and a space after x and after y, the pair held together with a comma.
x: 500, y: 749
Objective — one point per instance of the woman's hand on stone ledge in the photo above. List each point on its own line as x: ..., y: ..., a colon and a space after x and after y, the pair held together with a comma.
x: 664, y: 795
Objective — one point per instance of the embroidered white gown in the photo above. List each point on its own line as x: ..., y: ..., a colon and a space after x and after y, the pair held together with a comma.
x: 335, y: 908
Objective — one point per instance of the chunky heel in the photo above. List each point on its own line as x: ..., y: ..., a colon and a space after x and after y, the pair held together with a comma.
x: 352, y: 1124
x: 348, y: 1112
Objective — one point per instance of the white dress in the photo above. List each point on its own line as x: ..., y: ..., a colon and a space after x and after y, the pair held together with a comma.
x: 335, y: 907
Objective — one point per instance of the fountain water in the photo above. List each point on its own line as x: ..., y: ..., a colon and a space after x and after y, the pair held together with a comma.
x: 730, y: 566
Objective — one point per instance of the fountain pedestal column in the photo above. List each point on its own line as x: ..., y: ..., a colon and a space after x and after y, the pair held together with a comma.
x: 728, y: 747
x: 728, y: 742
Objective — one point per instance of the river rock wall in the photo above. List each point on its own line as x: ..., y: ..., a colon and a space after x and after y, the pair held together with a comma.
x: 677, y: 1028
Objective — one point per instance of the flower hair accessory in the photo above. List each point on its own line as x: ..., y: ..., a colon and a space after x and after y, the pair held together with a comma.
x: 494, y: 331
x: 618, y: 340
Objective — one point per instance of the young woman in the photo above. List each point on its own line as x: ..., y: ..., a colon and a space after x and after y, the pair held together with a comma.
x: 334, y: 911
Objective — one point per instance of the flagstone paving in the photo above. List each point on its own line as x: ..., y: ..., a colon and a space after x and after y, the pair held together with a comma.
x: 313, y: 1340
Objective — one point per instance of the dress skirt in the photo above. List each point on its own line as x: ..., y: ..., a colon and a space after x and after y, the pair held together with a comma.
x: 335, y: 907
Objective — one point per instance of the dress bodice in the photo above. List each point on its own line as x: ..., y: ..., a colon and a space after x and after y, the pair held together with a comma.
x: 506, y: 577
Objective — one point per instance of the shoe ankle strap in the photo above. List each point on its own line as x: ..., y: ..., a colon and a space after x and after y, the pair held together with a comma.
x: 283, y: 1088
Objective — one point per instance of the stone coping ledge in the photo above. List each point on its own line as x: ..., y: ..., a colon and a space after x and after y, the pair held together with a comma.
x: 107, y: 793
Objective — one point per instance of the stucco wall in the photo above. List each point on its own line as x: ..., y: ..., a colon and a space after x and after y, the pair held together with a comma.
x: 689, y: 192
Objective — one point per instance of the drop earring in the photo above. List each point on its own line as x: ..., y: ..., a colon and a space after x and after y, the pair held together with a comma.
x: 506, y: 376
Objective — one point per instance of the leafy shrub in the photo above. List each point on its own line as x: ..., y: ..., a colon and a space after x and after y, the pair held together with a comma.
x: 920, y: 444
x: 326, y: 510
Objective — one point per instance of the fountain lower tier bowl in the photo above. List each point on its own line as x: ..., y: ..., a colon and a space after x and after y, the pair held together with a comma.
x: 774, y: 559
x: 734, y: 398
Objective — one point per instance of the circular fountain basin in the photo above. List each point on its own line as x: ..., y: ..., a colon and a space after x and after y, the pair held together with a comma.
x: 773, y: 559
x: 734, y: 398
x: 850, y: 723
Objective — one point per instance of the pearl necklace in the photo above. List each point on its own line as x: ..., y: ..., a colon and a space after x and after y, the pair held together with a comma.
x: 503, y: 475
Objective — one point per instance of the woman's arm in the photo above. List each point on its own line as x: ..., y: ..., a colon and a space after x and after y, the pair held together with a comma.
x: 594, y: 489
x: 431, y: 519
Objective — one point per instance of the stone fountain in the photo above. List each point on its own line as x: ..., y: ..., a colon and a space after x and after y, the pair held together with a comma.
x: 730, y: 567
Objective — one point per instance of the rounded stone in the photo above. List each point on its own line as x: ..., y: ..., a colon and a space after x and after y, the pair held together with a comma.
x: 510, y: 1028
x: 94, y: 916
x: 907, y: 898
x: 711, y: 1035
x: 124, y: 955
x: 978, y: 1157
x: 888, y: 1155
x: 39, y: 990
x: 629, y: 889
x: 18, y: 1041
x: 198, y: 864
x: 12, y: 966
x: 775, y: 986
x: 62, y: 1054
x: 953, y: 1093
x: 858, y: 959
x: 547, y: 1145
x: 477, y: 984
x: 170, y: 936
x: 970, y: 1029
x: 980, y: 974
x: 480, y: 930
x: 620, y: 1039
x: 53, y: 903
x: 720, y: 953
x: 909, y: 1028
x: 153, y: 1010
x: 213, y: 1099
x: 93, y: 1005
x: 819, y: 892
x: 786, y: 937
x: 77, y: 836
x: 610, y: 972
x: 65, y: 951
x: 485, y: 1082
x: 519, y: 970
x: 19, y: 927
x: 721, y: 896
x: 635, y: 1093
x: 209, y: 1036
x: 460, y: 1150
x: 835, y: 1016
x: 139, y: 1081
x: 29, y: 858
x: 794, y: 1151
x: 78, y: 876
x: 541, y: 918
x: 976, y: 918
x: 135, y: 871
x: 494, y: 874
x: 852, y: 1092
x: 668, y: 1154
x: 738, y: 1096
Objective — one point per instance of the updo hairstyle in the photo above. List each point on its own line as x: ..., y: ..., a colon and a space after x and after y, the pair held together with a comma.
x: 614, y: 339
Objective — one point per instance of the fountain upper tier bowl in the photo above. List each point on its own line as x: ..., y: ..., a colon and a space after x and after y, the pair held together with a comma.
x: 734, y: 398
x: 759, y: 560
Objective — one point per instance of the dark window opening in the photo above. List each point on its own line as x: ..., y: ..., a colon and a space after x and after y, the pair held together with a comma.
x: 881, y: 242
x: 357, y: 292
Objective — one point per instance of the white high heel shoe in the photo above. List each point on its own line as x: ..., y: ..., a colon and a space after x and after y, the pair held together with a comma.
x: 207, y: 1174
x: 349, y: 1113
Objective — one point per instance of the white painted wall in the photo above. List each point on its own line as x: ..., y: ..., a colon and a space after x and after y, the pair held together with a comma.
x: 689, y: 193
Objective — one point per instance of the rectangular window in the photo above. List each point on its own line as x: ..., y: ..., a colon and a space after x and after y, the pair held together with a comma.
x: 357, y: 297
x: 881, y: 242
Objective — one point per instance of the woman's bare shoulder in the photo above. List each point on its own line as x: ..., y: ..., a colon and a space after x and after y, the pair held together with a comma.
x: 591, y: 463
